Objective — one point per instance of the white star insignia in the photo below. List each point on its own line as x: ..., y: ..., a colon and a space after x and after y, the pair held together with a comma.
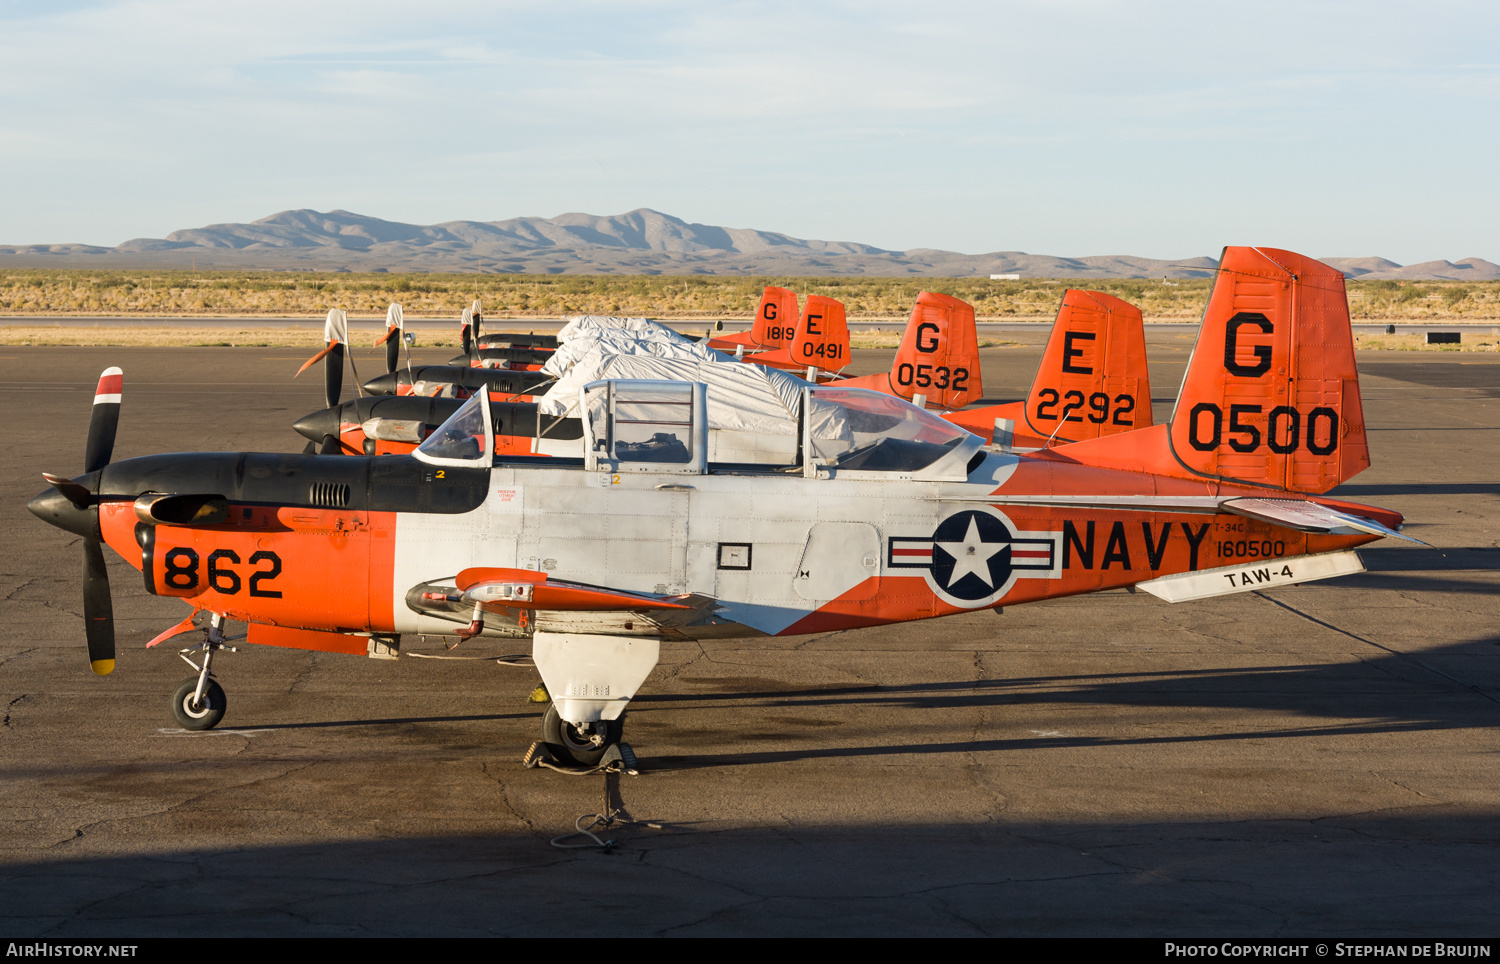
x: 973, y: 555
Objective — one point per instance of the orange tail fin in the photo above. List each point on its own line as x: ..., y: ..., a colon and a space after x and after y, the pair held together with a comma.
x: 938, y: 357
x: 821, y: 340
x: 939, y: 354
x: 1093, y: 380
x: 775, y: 319
x: 1271, y: 395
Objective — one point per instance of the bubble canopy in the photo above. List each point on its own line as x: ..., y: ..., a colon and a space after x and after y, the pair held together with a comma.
x: 855, y: 429
x: 464, y: 439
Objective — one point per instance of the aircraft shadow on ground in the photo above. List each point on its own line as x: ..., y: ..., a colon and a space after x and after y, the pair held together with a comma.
x: 1382, y: 693
x: 1406, y: 873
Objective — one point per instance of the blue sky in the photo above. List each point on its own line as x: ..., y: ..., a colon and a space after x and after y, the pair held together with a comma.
x: 1071, y: 128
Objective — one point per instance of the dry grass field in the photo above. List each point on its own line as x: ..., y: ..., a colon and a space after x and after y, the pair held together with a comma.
x: 37, y: 292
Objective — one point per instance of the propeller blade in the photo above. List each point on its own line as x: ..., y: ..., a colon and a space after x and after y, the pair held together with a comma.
x: 314, y: 360
x: 331, y: 446
x: 466, y: 333
x: 75, y: 493
x: 393, y: 350
x: 98, y: 610
x: 104, y: 421
x: 333, y: 374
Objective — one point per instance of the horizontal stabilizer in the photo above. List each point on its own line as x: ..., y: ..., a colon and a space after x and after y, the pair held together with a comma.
x: 1272, y: 574
x: 1307, y: 516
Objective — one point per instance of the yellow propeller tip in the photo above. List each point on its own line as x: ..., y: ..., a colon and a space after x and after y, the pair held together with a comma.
x: 102, y: 667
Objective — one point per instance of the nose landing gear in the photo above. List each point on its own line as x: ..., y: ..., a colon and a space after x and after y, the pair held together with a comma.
x: 199, y: 701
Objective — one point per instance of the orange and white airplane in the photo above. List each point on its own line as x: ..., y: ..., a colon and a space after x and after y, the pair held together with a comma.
x: 881, y: 512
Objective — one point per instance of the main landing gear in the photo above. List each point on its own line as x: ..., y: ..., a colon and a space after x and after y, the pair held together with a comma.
x: 590, y: 678
x: 580, y: 744
x: 199, y: 702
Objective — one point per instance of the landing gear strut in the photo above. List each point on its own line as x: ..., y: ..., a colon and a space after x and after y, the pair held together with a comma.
x: 199, y: 702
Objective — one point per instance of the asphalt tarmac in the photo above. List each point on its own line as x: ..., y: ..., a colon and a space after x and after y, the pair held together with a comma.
x: 1318, y: 761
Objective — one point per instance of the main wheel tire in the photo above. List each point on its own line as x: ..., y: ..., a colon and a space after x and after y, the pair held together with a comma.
x: 204, y: 716
x: 575, y: 746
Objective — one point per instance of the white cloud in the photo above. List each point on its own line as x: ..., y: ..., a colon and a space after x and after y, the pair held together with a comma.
x: 1040, y: 125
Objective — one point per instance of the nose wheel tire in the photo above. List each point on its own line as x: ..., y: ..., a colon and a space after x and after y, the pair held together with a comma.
x: 204, y: 715
x: 580, y: 746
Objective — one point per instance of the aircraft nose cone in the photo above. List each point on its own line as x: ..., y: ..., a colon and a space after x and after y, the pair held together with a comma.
x: 462, y: 361
x: 379, y: 385
x: 318, y: 424
x: 53, y: 508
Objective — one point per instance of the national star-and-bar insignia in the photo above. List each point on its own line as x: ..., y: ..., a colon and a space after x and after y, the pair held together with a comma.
x: 974, y: 557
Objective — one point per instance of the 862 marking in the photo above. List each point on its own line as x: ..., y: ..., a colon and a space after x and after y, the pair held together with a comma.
x: 181, y: 565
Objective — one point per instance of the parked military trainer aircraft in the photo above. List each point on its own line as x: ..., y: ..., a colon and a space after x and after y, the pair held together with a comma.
x: 884, y: 513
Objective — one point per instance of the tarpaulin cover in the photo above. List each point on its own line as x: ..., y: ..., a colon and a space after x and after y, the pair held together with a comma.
x: 742, y: 398
x: 579, y: 323
x: 617, y: 341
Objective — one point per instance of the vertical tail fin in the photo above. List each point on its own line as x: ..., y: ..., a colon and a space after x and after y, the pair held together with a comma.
x: 822, y: 337
x: 939, y: 353
x: 1271, y: 394
x: 1093, y: 380
x: 775, y: 318
x: 938, y: 356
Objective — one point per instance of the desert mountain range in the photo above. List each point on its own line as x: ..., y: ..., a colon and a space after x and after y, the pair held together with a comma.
x: 640, y: 242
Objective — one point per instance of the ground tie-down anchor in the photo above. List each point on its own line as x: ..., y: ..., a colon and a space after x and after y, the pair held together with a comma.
x: 612, y: 813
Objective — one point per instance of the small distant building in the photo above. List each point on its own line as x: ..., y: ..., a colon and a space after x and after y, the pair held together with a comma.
x: 1005, y: 277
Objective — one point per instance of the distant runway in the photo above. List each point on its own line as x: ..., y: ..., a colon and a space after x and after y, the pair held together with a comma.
x: 691, y: 326
x: 1321, y: 760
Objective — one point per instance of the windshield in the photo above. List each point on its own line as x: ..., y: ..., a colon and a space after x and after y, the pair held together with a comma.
x: 853, y: 428
x: 462, y: 437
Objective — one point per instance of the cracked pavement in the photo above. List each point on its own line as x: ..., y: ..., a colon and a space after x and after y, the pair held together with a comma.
x: 1311, y: 761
